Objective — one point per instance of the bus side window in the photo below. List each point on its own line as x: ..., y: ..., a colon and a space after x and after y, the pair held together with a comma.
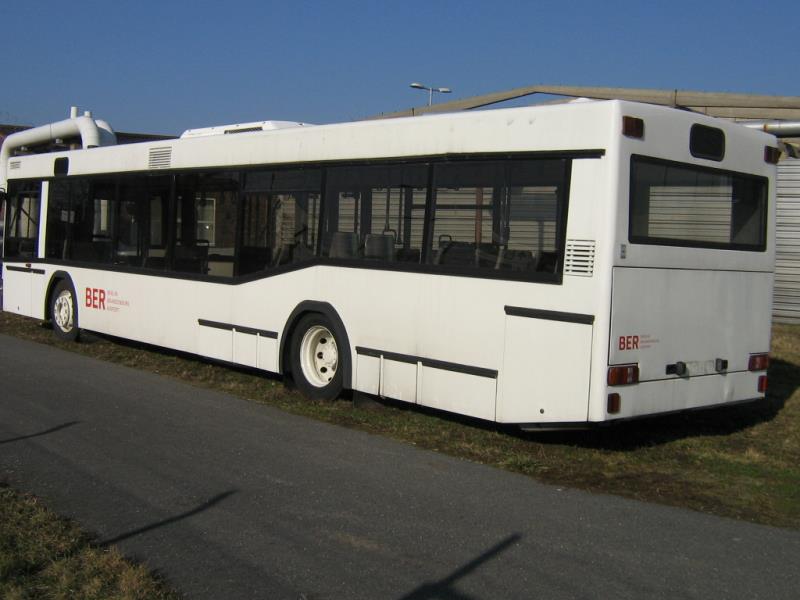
x: 493, y: 215
x: 375, y: 213
x: 279, y: 218
x: 206, y: 206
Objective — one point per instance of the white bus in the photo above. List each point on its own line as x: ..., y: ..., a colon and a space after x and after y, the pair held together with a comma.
x: 552, y: 266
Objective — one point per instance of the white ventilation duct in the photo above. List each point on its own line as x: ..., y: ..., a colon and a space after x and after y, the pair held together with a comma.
x: 93, y: 133
x: 777, y: 128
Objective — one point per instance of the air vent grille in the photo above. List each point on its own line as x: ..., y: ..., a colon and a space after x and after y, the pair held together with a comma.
x: 14, y: 164
x: 160, y: 158
x: 579, y: 258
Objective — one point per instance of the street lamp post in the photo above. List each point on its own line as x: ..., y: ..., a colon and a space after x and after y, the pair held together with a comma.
x: 441, y: 90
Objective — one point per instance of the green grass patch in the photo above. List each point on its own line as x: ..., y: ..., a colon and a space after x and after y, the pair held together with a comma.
x: 740, y: 461
x: 45, y: 556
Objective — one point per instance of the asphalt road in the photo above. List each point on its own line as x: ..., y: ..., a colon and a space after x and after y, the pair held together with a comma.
x: 231, y: 499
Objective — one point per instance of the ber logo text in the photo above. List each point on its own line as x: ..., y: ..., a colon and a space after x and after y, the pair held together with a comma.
x: 629, y: 342
x: 95, y: 298
x: 108, y: 300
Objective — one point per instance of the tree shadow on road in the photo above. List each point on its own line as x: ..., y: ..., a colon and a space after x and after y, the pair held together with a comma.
x: 170, y: 520
x: 444, y: 588
x: 39, y: 433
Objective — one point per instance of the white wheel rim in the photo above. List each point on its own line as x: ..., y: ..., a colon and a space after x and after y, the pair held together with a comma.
x: 319, y: 356
x: 63, y: 315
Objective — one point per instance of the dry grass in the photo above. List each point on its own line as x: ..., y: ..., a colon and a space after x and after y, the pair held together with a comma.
x: 44, y: 556
x: 741, y: 462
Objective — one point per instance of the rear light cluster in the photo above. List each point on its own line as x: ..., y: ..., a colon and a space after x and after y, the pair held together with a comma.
x: 633, y: 127
x: 623, y: 375
x: 772, y: 155
x: 758, y: 362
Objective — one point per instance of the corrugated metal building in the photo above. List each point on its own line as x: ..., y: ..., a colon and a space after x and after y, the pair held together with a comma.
x: 786, y: 307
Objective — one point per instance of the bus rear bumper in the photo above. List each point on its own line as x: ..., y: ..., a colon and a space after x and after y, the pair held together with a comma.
x: 683, y: 393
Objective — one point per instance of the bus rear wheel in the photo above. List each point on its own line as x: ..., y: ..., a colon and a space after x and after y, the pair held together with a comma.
x: 64, y: 311
x: 315, y: 358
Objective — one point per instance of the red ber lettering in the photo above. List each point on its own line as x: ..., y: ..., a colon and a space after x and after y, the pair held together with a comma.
x: 95, y: 298
x: 629, y: 342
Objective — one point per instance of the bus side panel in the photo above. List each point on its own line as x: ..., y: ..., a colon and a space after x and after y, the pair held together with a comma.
x: 545, y: 374
x: 17, y: 292
x: 39, y: 308
x: 463, y: 393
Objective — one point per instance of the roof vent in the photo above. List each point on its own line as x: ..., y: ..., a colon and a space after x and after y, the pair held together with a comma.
x: 160, y: 158
x: 256, y: 127
x: 579, y: 258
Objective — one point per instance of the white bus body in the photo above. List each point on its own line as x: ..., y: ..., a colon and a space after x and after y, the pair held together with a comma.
x: 680, y: 302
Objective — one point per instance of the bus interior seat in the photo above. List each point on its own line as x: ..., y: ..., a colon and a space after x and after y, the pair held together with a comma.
x: 190, y: 259
x: 379, y: 246
x: 412, y: 255
x: 97, y: 252
x: 344, y: 244
x: 548, y: 262
x: 456, y: 253
x: 292, y: 253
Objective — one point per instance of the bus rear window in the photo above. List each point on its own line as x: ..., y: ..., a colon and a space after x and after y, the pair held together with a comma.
x: 676, y: 204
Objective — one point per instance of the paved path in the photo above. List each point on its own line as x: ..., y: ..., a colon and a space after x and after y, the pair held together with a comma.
x: 231, y: 499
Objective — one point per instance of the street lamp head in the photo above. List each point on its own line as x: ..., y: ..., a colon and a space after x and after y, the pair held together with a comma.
x: 444, y: 90
x: 418, y: 86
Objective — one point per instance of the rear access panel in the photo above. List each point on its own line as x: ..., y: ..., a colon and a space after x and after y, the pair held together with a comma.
x: 662, y: 317
x: 546, y: 362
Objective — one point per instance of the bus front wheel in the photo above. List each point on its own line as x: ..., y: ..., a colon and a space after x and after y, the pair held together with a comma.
x: 315, y: 360
x: 64, y: 311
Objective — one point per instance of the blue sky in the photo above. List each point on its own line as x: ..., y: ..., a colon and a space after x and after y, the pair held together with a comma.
x: 165, y: 66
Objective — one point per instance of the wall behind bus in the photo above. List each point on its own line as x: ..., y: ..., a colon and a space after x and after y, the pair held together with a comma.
x: 786, y: 306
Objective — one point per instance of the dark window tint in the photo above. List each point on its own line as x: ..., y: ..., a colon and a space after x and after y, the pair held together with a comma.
x: 59, y: 219
x: 280, y: 218
x: 684, y: 205
x: 108, y: 220
x: 499, y: 215
x: 92, y: 211
x: 205, y: 223
x: 707, y: 142
x: 375, y: 213
x: 22, y: 220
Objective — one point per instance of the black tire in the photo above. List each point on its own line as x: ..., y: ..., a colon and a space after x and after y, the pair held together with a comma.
x: 317, y: 379
x: 64, y: 311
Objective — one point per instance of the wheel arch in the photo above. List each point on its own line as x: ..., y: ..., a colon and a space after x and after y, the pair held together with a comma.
x: 327, y: 310
x: 55, y: 278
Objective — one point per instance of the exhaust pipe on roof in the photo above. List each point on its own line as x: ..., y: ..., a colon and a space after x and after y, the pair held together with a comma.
x: 777, y: 128
x: 93, y: 133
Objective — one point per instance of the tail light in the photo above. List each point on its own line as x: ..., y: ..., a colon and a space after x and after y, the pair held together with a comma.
x: 762, y: 384
x: 623, y: 375
x: 614, y: 404
x: 772, y: 155
x: 758, y: 362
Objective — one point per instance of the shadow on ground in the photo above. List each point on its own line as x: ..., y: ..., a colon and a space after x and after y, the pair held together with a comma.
x: 784, y: 379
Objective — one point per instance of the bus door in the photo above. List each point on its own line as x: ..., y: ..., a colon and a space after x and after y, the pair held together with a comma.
x: 20, y: 248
